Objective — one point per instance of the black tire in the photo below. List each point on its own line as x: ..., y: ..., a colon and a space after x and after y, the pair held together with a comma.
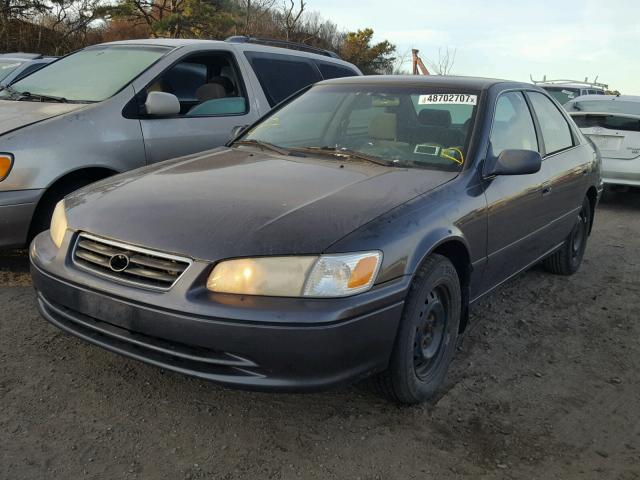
x: 426, y: 339
x: 567, y: 260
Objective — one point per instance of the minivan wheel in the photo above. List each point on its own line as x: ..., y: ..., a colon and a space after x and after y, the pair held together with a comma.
x: 567, y: 260
x: 42, y: 217
x: 426, y: 339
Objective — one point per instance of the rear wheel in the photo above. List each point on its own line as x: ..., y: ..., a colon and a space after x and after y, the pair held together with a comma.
x: 567, y: 260
x: 426, y: 338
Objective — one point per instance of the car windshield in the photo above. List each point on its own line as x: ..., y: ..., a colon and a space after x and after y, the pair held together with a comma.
x: 8, y: 66
x: 408, y: 126
x: 612, y: 105
x: 563, y: 94
x: 90, y: 75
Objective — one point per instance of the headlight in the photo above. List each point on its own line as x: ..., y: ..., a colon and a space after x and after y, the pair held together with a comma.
x: 58, y: 224
x: 6, y: 162
x: 338, y: 275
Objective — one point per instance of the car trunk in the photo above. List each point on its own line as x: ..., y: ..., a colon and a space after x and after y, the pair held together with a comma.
x: 616, y: 135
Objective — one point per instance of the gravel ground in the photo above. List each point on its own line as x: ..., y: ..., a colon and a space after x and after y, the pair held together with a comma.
x: 545, y: 385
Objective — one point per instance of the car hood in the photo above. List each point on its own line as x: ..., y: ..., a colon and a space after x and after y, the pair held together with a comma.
x: 14, y: 114
x: 241, y: 202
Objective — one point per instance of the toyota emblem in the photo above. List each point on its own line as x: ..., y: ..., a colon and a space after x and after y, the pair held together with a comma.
x: 119, y: 262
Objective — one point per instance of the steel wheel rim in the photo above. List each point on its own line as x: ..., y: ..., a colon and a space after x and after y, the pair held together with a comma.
x: 431, y: 332
x: 579, y: 236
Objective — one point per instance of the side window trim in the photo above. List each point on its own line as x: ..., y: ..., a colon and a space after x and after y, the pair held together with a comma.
x: 574, y: 137
x: 493, y: 120
x: 234, y: 62
x: 542, y: 148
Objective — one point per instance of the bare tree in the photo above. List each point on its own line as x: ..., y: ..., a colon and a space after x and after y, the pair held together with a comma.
x: 254, y: 13
x: 399, y: 66
x: 291, y: 17
x: 443, y: 65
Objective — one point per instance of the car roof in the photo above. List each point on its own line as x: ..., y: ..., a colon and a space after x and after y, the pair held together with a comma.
x: 168, y: 42
x: 182, y: 42
x: 26, y: 59
x: 476, y: 83
x: 608, y: 98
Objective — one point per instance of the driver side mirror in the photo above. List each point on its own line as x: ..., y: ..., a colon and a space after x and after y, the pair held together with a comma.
x: 236, y: 131
x: 162, y: 104
x: 515, y: 162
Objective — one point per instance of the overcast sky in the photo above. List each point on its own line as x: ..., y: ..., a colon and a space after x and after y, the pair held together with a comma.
x: 509, y: 38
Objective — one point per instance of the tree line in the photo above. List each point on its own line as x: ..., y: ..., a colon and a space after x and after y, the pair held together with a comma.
x: 57, y: 27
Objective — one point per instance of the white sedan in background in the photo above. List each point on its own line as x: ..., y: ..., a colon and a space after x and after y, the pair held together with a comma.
x: 613, y: 123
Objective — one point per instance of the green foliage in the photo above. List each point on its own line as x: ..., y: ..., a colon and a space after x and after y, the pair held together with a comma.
x: 179, y: 18
x: 60, y: 26
x: 371, y: 59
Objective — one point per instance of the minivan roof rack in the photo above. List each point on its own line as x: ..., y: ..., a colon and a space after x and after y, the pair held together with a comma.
x: 586, y: 82
x: 283, y: 44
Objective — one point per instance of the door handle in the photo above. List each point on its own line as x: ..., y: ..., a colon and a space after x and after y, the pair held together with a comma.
x: 546, y: 189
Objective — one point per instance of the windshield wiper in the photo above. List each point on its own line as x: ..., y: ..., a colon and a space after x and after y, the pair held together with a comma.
x: 347, y: 152
x: 264, y: 145
x: 41, y: 97
x: 12, y: 91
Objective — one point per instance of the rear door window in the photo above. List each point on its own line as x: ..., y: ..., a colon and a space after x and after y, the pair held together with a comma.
x: 555, y: 129
x: 512, y: 125
x: 610, y: 122
x: 282, y: 75
x: 333, y: 70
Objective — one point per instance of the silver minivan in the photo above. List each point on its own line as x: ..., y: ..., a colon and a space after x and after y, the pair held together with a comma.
x: 117, y: 106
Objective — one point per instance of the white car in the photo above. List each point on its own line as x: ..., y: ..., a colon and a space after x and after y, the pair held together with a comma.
x: 613, y: 124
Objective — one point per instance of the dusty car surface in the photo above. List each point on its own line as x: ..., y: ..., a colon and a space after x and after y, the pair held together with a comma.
x: 344, y: 235
x: 613, y: 123
x: 117, y: 106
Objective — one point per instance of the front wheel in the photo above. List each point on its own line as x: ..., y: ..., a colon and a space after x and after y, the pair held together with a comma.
x: 426, y: 339
x: 567, y: 260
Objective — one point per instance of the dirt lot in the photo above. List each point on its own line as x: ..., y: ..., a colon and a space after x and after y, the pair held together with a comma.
x: 546, y: 386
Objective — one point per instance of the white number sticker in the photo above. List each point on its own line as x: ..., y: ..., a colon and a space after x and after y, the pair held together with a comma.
x: 448, y: 99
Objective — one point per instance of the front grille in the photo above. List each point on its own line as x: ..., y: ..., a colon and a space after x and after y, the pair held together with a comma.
x: 128, y: 264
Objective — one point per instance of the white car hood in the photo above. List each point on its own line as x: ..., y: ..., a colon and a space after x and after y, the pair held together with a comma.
x: 14, y: 114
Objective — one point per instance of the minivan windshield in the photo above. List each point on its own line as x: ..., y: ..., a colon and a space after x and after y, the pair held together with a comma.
x: 90, y: 75
x: 403, y: 126
x: 8, y: 66
x: 563, y: 94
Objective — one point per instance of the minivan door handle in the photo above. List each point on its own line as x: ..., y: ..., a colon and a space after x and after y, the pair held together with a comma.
x: 546, y: 188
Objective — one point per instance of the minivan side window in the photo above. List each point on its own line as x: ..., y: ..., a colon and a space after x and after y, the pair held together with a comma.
x: 282, y: 75
x: 333, y: 70
x: 206, y: 84
x: 512, y: 125
x: 555, y: 129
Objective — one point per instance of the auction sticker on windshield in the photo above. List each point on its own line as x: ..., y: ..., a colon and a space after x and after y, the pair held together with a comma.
x: 448, y: 98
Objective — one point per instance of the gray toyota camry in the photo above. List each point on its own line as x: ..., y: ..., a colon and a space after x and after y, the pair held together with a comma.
x: 345, y: 235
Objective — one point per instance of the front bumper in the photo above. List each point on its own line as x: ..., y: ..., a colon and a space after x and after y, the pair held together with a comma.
x: 621, y: 172
x: 16, y: 211
x: 261, y: 343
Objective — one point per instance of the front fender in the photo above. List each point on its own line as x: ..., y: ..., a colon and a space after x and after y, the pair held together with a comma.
x: 94, y: 136
x: 410, y: 232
